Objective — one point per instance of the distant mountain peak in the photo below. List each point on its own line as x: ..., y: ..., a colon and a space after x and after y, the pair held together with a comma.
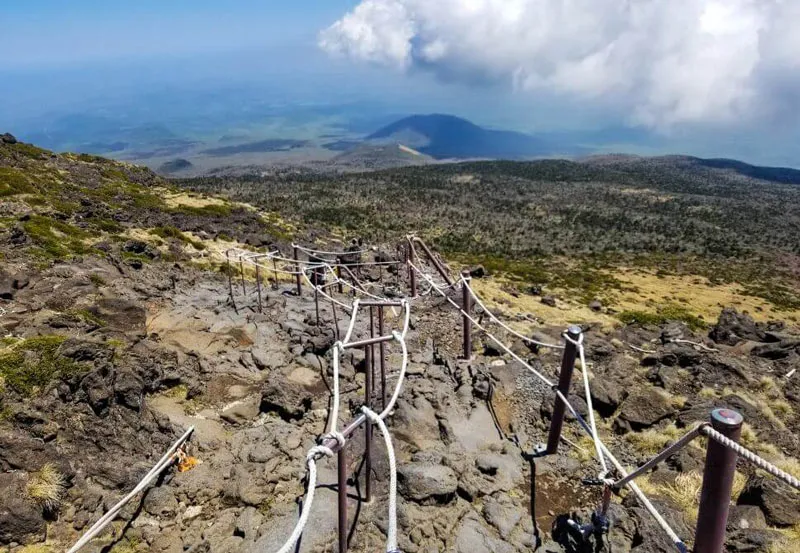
x: 445, y: 136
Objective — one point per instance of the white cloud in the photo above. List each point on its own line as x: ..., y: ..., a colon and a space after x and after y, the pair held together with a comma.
x: 662, y: 62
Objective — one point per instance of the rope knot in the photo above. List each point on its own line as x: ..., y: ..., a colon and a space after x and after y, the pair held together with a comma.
x: 317, y: 452
x: 335, y: 435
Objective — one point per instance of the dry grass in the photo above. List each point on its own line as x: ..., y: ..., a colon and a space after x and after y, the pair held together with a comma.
x: 789, y: 541
x: 46, y: 487
x: 685, y: 491
x: 191, y: 200
x: 696, y: 293
x: 652, y: 441
x: 765, y: 405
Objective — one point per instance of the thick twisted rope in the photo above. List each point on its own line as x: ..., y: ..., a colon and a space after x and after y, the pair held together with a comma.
x: 391, y: 533
x: 508, y: 329
x: 165, y: 461
x: 758, y: 461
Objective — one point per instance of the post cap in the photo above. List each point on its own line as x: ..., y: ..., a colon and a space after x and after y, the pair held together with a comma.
x: 727, y: 418
x: 574, y: 331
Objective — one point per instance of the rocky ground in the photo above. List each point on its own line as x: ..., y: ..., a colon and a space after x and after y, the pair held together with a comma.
x: 108, y: 358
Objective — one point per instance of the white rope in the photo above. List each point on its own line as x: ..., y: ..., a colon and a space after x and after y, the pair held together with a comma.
x: 502, y: 324
x: 311, y: 460
x: 158, y: 468
x: 760, y: 462
x: 322, y: 252
x: 391, y: 533
x: 585, y: 372
x: 337, y: 350
x: 679, y: 544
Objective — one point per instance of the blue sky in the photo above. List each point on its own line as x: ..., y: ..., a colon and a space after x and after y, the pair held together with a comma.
x: 58, y: 33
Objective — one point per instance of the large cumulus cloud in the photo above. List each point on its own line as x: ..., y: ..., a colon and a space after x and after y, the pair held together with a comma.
x: 662, y: 62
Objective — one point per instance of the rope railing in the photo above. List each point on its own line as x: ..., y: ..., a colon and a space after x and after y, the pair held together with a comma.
x: 167, y: 460
x: 334, y: 441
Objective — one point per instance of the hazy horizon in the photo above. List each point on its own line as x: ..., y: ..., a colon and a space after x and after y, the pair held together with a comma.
x: 173, y: 64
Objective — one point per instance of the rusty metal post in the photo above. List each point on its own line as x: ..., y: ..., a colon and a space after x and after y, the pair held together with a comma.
x: 342, y: 462
x: 466, y: 306
x: 715, y: 495
x: 339, y: 278
x: 275, y: 270
x: 564, y: 379
x: 368, y: 432
x: 335, y: 320
x: 383, y: 357
x: 412, y: 274
x: 258, y: 286
x: 297, y: 269
x: 371, y: 367
x: 230, y: 274
x: 316, y: 301
x: 241, y: 272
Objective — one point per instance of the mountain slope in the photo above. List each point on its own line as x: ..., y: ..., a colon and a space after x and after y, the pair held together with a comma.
x: 446, y: 136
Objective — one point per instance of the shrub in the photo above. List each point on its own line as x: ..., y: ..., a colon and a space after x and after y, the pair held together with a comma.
x: 46, y: 487
x: 27, y: 366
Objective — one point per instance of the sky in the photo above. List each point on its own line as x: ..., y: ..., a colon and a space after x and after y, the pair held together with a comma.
x: 689, y: 71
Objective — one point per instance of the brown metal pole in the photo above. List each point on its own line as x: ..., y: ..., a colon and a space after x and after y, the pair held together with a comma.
x: 335, y: 320
x: 230, y: 274
x: 564, y: 379
x: 411, y: 272
x: 342, y: 462
x: 382, y: 348
x: 241, y: 272
x: 715, y: 495
x: 275, y: 270
x: 316, y: 301
x: 258, y: 286
x: 466, y: 301
x: 297, y: 269
x: 372, y: 348
x: 368, y: 430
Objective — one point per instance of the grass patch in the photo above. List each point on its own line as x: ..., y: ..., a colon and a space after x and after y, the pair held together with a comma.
x: 212, y: 210
x: 168, y: 232
x: 684, y: 492
x: 56, y: 238
x: 663, y: 314
x: 88, y: 317
x: 653, y: 441
x: 28, y: 366
x: 97, y: 280
x: 29, y: 150
x: 13, y: 182
x: 46, y: 487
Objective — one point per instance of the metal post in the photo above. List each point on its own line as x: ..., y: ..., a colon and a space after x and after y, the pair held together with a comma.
x: 412, y: 274
x: 275, y: 270
x: 342, y: 459
x: 368, y: 431
x: 564, y: 379
x: 371, y: 367
x: 258, y: 286
x: 466, y: 301
x: 241, y: 272
x: 297, y: 269
x: 335, y: 320
x: 715, y: 496
x: 316, y: 301
x: 339, y: 278
x: 383, y: 358
x: 230, y: 274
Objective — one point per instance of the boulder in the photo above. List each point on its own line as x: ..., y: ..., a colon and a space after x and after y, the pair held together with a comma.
x: 644, y: 408
x: 779, y: 502
x: 596, y: 306
x: 549, y: 301
x: 479, y: 271
x: 21, y: 519
x: 472, y: 536
x: 160, y: 502
x: 776, y: 350
x: 734, y: 327
x: 607, y: 395
x: 427, y: 483
x: 8, y: 138
x: 746, y: 517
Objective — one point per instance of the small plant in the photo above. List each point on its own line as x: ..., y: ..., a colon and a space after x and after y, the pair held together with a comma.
x: 663, y: 315
x: 46, y: 487
x: 97, y: 280
x: 29, y: 365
